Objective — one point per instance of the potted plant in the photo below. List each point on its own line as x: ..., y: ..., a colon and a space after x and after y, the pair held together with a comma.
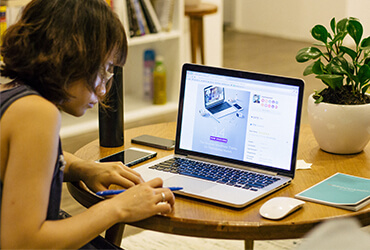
x: 339, y: 114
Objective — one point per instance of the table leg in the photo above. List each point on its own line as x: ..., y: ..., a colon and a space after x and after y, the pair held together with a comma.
x: 114, y: 234
x: 194, y: 32
x: 248, y: 244
x: 201, y: 39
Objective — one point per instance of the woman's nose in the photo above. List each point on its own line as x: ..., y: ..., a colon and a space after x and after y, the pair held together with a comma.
x: 101, y: 90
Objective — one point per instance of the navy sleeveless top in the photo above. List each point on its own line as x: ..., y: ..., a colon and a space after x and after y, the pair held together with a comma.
x: 7, y: 97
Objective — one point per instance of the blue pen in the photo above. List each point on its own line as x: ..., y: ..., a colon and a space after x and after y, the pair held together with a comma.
x: 113, y: 192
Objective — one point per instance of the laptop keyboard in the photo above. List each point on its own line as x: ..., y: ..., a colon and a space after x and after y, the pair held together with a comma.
x: 219, y: 108
x: 216, y: 173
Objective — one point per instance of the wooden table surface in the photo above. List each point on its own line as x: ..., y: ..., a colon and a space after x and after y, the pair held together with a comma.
x: 196, y: 218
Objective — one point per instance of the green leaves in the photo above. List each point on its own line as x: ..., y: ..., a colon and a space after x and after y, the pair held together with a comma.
x: 365, y: 44
x: 364, y: 77
x: 320, y: 33
x: 337, y: 65
x: 333, y: 81
x: 306, y: 54
x: 342, y: 26
x: 333, y: 24
x: 350, y: 52
x: 315, y: 68
x: 318, y: 97
x: 355, y: 30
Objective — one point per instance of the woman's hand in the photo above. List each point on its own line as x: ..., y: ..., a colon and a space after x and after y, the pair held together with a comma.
x: 99, y: 176
x: 143, y: 201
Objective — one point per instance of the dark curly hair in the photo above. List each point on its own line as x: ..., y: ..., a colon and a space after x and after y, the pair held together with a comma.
x: 56, y: 42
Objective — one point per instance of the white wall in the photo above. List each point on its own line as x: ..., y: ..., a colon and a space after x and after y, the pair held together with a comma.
x: 294, y: 19
x: 229, y: 9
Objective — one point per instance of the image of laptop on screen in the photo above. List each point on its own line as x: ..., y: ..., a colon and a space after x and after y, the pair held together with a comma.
x: 214, y: 102
x: 242, y: 157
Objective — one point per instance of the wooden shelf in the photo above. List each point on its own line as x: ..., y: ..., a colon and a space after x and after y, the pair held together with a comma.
x: 152, y: 38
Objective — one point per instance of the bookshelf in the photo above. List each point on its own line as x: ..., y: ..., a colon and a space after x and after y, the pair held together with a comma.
x: 169, y: 45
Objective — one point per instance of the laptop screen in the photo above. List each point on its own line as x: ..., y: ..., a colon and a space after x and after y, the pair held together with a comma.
x: 213, y: 95
x: 259, y: 128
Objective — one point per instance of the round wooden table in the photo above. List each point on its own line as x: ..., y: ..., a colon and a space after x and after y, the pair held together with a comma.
x: 196, y: 218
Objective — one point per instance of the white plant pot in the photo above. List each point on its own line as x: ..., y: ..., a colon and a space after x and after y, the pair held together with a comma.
x: 339, y: 129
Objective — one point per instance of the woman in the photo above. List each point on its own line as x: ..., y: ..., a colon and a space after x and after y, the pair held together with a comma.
x: 59, y: 56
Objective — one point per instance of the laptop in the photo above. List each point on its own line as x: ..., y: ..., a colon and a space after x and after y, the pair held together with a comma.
x: 214, y: 102
x: 242, y: 157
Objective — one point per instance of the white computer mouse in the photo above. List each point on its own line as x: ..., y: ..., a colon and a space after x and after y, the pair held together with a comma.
x: 203, y: 113
x: 279, y: 207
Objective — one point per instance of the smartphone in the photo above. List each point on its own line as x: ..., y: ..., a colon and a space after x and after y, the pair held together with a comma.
x: 154, y: 141
x: 238, y: 106
x: 130, y: 156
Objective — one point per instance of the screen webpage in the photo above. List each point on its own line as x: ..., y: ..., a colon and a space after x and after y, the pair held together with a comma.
x: 256, y: 126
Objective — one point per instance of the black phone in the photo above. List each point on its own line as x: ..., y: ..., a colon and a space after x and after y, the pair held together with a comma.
x: 238, y: 106
x: 130, y: 156
x: 154, y: 141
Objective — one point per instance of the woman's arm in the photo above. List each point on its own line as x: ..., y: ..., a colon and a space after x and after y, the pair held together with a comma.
x: 32, y: 125
x: 99, y: 176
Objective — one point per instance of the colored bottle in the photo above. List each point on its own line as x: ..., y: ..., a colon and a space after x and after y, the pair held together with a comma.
x: 159, y: 80
x: 149, y: 63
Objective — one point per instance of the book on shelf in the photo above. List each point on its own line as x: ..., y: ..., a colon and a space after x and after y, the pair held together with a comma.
x: 340, y: 190
x: 143, y: 26
x: 132, y: 24
x: 150, y: 16
x: 164, y: 10
x: 141, y: 16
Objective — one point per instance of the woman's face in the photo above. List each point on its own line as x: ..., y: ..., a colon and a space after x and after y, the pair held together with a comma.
x: 81, y: 100
x: 82, y: 97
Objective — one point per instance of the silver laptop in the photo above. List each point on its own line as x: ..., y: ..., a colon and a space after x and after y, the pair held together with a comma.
x: 242, y: 157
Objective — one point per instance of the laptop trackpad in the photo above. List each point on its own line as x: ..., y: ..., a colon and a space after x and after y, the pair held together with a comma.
x: 189, y: 185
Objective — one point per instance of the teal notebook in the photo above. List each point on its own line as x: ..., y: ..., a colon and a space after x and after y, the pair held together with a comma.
x: 340, y: 190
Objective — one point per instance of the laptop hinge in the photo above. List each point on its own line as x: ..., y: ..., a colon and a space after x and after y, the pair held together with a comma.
x: 244, y: 167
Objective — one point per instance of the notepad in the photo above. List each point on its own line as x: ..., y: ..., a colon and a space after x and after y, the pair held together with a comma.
x: 340, y: 190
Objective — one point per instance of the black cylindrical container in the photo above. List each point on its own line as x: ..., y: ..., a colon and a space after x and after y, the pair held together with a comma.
x: 111, y: 117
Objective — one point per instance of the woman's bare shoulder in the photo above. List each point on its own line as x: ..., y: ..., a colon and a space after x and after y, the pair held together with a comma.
x: 32, y: 109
